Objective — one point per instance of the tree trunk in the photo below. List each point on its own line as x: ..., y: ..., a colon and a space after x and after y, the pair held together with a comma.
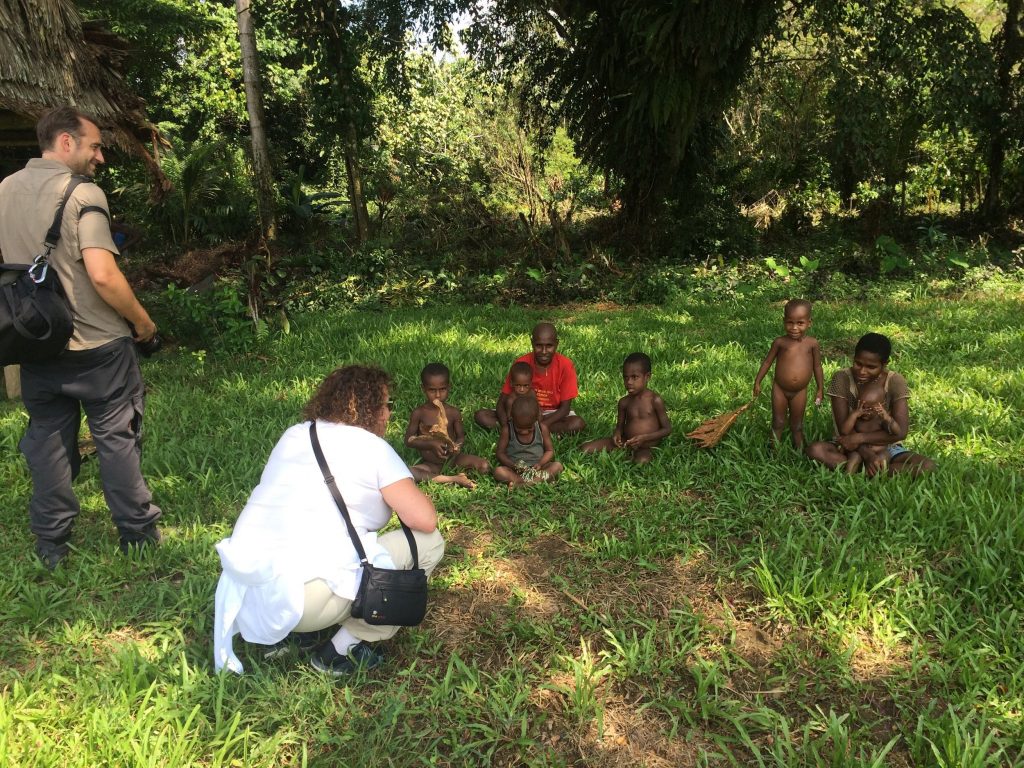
x: 262, y: 169
x: 350, y: 147
x: 1010, y: 52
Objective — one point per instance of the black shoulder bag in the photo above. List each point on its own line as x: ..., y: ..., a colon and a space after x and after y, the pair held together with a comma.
x: 385, y: 596
x: 35, y: 318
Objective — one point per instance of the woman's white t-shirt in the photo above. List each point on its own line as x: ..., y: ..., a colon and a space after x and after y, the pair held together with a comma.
x: 291, y: 532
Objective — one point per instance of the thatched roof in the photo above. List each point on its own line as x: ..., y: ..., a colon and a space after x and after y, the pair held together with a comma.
x: 51, y: 57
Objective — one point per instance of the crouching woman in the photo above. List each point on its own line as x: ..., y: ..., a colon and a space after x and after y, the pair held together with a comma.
x: 289, y: 567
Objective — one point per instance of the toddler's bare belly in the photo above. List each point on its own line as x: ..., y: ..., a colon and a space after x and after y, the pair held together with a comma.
x: 791, y: 379
x: 641, y: 427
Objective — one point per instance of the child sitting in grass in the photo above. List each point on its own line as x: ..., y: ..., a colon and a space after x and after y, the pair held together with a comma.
x: 524, y: 447
x: 520, y: 379
x: 796, y: 356
x: 642, y: 422
x: 435, y: 430
x: 554, y: 381
x: 871, y: 365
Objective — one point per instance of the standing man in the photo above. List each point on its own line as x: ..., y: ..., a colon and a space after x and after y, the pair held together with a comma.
x: 99, y: 371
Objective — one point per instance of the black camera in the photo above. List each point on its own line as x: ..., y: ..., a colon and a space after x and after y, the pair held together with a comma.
x: 150, y: 347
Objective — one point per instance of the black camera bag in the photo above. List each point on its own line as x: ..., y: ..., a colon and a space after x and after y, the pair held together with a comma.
x: 385, y: 596
x: 35, y: 318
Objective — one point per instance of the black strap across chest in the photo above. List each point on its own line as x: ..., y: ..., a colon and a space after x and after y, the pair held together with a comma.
x: 329, y: 480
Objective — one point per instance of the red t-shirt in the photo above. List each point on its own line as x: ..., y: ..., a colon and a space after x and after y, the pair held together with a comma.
x: 556, y: 385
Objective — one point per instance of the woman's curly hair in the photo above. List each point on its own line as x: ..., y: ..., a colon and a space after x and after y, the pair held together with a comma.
x: 354, y: 395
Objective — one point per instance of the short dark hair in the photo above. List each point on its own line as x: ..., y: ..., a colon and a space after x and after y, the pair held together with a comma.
x: 521, y: 367
x: 797, y: 304
x: 434, y: 369
x: 525, y: 407
x: 60, y: 120
x: 638, y: 357
x: 876, y: 344
x: 543, y: 326
x: 353, y: 395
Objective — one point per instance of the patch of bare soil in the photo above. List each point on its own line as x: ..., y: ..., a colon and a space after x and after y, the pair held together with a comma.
x: 194, y: 265
x: 753, y: 644
x: 463, y: 617
x: 873, y: 661
x: 575, y: 310
x: 631, y: 736
x: 537, y: 586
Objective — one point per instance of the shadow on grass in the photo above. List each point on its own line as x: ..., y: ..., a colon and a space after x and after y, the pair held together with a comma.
x: 621, y: 612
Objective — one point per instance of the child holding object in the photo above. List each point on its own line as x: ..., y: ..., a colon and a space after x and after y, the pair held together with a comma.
x: 796, y: 356
x: 870, y: 367
x: 435, y: 430
x: 524, y: 447
x: 642, y: 421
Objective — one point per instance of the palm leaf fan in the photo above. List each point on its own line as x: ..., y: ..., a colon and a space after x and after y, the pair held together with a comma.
x: 710, y: 433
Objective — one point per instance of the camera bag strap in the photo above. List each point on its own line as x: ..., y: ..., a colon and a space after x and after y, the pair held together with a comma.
x: 53, y: 233
x: 329, y: 481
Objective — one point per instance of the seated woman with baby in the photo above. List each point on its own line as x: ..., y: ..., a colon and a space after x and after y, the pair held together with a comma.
x: 871, y: 415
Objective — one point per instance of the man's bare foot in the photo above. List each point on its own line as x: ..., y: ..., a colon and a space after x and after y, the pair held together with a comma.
x: 459, y: 479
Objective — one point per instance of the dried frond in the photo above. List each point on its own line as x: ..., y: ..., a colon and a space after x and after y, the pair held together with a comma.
x: 439, y: 431
x: 766, y: 210
x: 710, y: 433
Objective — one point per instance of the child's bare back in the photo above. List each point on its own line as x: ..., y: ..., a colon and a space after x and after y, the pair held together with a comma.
x: 866, y: 418
x: 872, y: 395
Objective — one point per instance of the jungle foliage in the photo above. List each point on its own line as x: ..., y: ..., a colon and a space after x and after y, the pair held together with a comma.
x: 436, y: 142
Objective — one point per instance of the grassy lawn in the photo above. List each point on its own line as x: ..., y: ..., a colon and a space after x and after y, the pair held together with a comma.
x: 729, y: 607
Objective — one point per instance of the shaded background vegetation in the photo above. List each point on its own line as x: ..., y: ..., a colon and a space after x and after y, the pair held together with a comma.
x: 527, y: 151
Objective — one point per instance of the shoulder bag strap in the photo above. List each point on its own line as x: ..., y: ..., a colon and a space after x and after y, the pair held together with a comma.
x: 329, y: 481
x: 53, y: 233
x: 41, y: 263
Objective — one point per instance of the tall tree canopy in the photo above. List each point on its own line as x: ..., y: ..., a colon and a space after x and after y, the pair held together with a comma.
x: 633, y: 80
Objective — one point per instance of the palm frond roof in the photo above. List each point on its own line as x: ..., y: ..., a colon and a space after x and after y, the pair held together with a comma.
x: 52, y: 57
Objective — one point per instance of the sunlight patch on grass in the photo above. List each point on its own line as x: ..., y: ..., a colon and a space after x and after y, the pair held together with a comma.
x: 719, y: 607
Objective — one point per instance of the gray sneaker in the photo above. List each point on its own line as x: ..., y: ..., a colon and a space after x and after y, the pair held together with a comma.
x: 51, y: 553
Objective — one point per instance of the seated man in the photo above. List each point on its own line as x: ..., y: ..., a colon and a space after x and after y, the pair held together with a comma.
x: 554, y: 381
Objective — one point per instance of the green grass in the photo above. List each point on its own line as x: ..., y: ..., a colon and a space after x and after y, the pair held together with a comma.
x: 727, y: 607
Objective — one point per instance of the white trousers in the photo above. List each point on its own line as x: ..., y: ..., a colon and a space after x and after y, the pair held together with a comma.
x: 323, y: 608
